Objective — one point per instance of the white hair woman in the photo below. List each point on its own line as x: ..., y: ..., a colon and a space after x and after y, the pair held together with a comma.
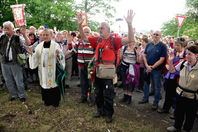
x: 187, y: 90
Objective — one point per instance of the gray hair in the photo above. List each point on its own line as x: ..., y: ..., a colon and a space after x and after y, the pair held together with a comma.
x: 86, y: 28
x: 106, y: 24
x: 8, y: 23
x: 59, y: 34
x: 50, y: 30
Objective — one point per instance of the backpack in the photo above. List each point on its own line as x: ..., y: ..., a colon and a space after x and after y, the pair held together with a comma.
x: 134, y: 49
x: 103, y: 70
x: 125, y: 48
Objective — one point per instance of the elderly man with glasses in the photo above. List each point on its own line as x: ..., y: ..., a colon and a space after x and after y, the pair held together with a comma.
x: 109, y: 46
x: 154, y: 57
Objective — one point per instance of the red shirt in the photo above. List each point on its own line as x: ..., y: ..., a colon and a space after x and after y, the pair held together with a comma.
x: 108, y: 53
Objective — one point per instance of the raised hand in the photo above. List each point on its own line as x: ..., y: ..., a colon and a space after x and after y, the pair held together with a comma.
x: 29, y: 49
x: 23, y: 30
x: 130, y: 16
x: 69, y: 38
x: 80, y: 19
x: 171, y: 56
x: 137, y: 50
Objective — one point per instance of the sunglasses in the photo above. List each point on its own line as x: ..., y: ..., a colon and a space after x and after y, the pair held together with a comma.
x: 31, y: 34
x: 156, y: 34
x: 18, y: 31
x: 181, y: 39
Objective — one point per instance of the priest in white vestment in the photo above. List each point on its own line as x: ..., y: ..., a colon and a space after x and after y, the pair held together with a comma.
x: 45, y: 57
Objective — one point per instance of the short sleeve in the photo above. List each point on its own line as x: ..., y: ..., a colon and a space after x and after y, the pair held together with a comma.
x: 22, y: 41
x: 145, y: 51
x: 164, y: 51
x: 93, y: 41
x: 117, y: 41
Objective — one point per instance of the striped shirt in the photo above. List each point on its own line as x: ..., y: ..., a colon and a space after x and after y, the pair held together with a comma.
x: 128, y: 57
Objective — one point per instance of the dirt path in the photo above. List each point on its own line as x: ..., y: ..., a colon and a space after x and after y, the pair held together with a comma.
x: 141, y: 112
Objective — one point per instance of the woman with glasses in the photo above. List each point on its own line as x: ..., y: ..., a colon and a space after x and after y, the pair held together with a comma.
x: 170, y: 79
x: 187, y: 90
x: 30, y: 72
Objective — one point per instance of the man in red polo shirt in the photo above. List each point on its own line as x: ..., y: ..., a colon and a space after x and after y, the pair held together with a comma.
x: 104, y: 87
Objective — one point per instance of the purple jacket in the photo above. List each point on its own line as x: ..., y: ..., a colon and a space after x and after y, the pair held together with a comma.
x: 133, y: 78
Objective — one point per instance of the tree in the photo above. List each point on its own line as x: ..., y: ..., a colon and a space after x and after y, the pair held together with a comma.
x: 192, y: 6
x: 58, y: 13
x: 96, y: 8
x: 6, y: 11
x: 189, y: 27
x: 54, y: 13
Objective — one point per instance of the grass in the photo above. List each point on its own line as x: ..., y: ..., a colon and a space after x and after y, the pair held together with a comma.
x: 33, y: 116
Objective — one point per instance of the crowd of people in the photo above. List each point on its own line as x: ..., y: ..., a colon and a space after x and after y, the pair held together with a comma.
x: 145, y: 62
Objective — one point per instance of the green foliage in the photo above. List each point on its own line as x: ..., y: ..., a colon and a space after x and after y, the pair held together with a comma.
x: 94, y: 7
x: 189, y: 27
x: 44, y: 12
x: 52, y: 13
x: 6, y: 11
x: 57, y: 13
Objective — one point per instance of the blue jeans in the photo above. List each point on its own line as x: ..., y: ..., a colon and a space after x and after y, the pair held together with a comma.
x: 155, y: 77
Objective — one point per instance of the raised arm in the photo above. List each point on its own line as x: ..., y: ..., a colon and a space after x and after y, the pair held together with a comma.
x: 23, y: 32
x: 170, y: 61
x: 80, y: 21
x: 129, y: 20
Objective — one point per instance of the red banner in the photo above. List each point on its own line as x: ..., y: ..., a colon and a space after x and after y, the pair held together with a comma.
x: 19, y: 14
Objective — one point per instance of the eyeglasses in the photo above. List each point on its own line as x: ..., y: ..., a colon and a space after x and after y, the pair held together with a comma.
x: 181, y: 39
x: 86, y: 32
x: 18, y: 31
x: 100, y: 28
x: 31, y: 34
x: 156, y: 34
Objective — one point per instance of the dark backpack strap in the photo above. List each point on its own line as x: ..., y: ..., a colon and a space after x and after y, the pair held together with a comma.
x: 125, y: 48
x: 100, y: 51
x: 16, y: 39
x: 99, y: 40
x: 182, y: 65
x: 113, y: 45
x: 135, y: 51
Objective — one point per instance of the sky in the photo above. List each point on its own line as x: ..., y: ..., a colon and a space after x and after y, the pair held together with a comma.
x: 150, y: 14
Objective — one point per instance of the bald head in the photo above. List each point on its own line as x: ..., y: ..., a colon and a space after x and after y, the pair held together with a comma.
x: 156, y: 36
